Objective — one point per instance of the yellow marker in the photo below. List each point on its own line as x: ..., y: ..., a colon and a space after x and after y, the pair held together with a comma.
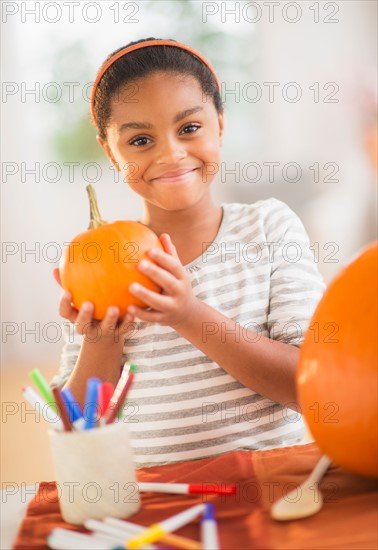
x: 131, y: 529
x: 159, y: 530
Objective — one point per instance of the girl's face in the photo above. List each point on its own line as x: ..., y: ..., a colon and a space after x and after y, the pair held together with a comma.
x: 164, y: 136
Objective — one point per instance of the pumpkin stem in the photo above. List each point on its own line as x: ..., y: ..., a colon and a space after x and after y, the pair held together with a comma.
x: 95, y: 216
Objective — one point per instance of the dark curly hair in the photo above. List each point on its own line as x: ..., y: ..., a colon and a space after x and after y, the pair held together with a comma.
x: 140, y: 63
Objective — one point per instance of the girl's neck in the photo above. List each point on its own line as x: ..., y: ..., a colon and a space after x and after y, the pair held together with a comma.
x: 191, y: 229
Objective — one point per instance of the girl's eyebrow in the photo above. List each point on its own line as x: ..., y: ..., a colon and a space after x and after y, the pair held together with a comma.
x: 187, y: 112
x: 147, y: 125
x: 135, y: 125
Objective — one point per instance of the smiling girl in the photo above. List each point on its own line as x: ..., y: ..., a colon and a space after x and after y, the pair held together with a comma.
x: 217, y: 350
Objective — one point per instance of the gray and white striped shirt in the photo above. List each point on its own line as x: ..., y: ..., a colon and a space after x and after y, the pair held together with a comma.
x: 260, y: 272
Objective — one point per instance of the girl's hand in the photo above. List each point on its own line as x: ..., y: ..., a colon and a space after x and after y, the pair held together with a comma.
x: 110, y: 329
x: 176, y: 301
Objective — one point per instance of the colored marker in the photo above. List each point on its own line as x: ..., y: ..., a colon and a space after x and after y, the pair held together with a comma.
x: 43, y: 388
x: 116, y: 403
x: 73, y: 407
x: 91, y: 403
x: 119, y: 535
x: 65, y: 539
x: 188, y: 488
x: 117, y: 545
x: 209, y: 529
x: 40, y: 405
x: 176, y: 541
x: 62, y: 409
x: 158, y: 530
x: 106, y: 392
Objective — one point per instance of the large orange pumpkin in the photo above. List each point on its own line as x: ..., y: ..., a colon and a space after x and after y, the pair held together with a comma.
x: 337, y: 374
x: 99, y: 265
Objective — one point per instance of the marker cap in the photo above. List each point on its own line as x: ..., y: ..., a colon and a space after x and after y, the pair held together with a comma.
x: 215, y: 489
x: 209, y: 513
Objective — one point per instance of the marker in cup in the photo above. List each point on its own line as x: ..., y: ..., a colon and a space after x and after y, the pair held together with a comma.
x: 117, y: 401
x: 74, y: 410
x: 43, y: 388
x: 62, y: 409
x: 40, y: 405
x: 91, y: 403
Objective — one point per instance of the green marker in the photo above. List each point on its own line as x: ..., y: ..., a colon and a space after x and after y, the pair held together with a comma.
x: 44, y: 388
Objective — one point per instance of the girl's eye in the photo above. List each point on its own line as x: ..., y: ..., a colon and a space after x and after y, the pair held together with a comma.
x: 190, y: 128
x: 139, y: 141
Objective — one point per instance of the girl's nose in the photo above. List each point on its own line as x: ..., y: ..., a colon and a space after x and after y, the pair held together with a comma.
x: 170, y: 152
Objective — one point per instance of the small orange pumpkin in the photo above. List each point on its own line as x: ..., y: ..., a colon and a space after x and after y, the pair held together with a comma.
x: 337, y: 374
x: 99, y: 265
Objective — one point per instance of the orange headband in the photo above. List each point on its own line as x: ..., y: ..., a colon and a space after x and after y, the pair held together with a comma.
x: 139, y: 46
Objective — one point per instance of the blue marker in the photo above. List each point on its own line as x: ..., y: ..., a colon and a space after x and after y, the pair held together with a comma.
x: 74, y: 410
x: 209, y: 529
x: 91, y: 408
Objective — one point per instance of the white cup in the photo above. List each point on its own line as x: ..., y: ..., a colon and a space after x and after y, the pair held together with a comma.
x: 95, y: 473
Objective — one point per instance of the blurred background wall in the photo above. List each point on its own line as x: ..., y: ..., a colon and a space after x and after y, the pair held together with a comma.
x: 299, y: 87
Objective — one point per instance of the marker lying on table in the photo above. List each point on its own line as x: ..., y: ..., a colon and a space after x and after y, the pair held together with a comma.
x: 188, y: 488
x: 99, y: 528
x: 43, y: 387
x: 157, y: 531
x: 209, y: 530
x: 116, y: 545
x: 117, y: 401
x: 177, y: 541
x: 65, y: 539
x: 37, y: 402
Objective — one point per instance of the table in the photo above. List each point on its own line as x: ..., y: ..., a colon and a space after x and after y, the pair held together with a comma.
x: 348, y: 519
x: 13, y: 504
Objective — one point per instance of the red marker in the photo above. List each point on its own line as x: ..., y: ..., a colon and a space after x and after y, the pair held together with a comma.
x: 119, y: 396
x: 189, y: 488
x: 106, y: 392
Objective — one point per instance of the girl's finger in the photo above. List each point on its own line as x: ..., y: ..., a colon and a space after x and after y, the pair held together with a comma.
x: 127, y: 326
x: 84, y: 317
x: 168, y: 245
x: 150, y: 298
x: 168, y: 262
x: 160, y: 276
x: 110, y: 321
x: 145, y: 314
x: 66, y: 309
x: 56, y: 275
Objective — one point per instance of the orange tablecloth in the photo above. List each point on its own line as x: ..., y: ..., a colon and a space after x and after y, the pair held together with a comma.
x: 348, y: 519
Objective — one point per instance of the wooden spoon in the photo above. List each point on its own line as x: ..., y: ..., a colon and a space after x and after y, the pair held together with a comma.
x: 304, y: 501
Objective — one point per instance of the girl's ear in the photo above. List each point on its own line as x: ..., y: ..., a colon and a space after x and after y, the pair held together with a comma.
x: 221, y: 126
x: 108, y: 152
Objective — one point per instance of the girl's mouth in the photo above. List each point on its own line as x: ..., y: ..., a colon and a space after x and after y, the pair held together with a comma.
x: 176, y: 176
